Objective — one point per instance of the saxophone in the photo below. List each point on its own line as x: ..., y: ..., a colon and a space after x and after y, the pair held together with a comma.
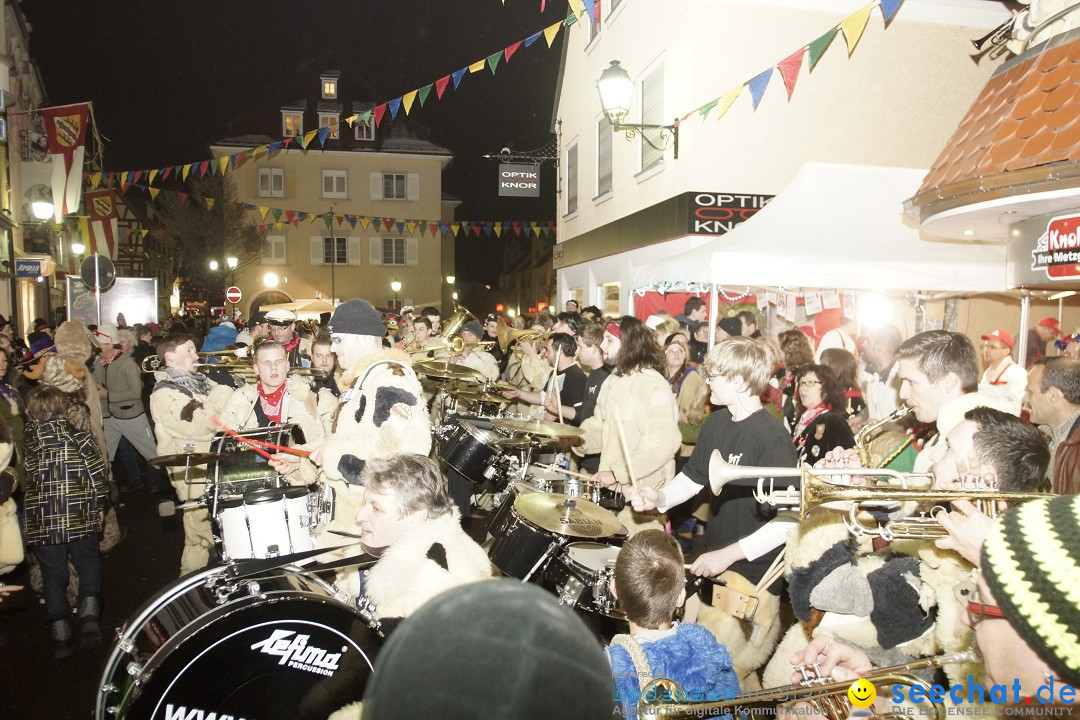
x: 862, y: 440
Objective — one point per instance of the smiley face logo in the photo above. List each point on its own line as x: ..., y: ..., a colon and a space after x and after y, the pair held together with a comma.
x: 862, y: 693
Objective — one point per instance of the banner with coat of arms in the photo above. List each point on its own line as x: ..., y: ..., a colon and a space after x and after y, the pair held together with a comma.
x: 65, y: 130
x: 104, y: 224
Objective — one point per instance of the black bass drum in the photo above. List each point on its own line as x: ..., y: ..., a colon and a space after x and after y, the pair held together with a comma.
x: 272, y: 645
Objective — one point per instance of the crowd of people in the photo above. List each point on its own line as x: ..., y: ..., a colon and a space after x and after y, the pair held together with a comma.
x: 694, y: 438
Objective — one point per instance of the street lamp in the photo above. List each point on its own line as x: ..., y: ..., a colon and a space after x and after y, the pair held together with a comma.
x: 395, y: 285
x: 232, y: 263
x: 41, y: 202
x: 450, y: 279
x: 270, y: 280
x: 213, y: 265
x: 77, y: 248
x: 616, y: 89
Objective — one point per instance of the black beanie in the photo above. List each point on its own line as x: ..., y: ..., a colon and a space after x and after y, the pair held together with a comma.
x: 357, y: 317
x: 491, y: 649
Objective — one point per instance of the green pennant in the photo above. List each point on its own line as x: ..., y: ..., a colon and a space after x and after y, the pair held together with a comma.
x: 424, y: 93
x: 707, y: 107
x: 493, y: 61
x: 818, y: 47
x: 328, y: 218
x: 571, y: 18
x: 276, y: 212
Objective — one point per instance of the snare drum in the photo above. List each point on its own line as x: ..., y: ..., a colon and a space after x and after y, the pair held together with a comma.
x: 274, y: 645
x: 267, y: 523
x: 561, y: 484
x: 581, y: 575
x: 467, y: 449
x: 242, y: 470
x: 519, y: 545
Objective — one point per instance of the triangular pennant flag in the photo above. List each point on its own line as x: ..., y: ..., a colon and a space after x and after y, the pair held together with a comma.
x: 223, y: 163
x: 457, y: 75
x: 378, y: 112
x: 433, y: 227
x: 411, y: 225
x: 888, y: 9
x: 528, y: 42
x: 493, y: 61
x: 400, y: 226
x: 239, y: 158
x: 853, y: 26
x: 150, y: 177
x: 209, y: 202
x: 262, y: 212
x: 571, y: 17
x: 407, y: 100
x: 365, y: 221
x: 551, y: 31
x: 203, y: 167
x: 154, y: 192
x: 590, y: 10
x: 818, y: 47
x: 166, y: 173
x: 789, y: 69
x: 394, y: 106
x: 440, y: 85
x: 295, y: 223
x: 304, y: 216
x: 277, y: 214
x: 511, y: 49
x: 704, y: 109
x: 257, y: 152
x: 727, y: 100
x: 136, y: 175
x: 324, y: 132
x: 424, y: 92
x: 577, y: 7
x: 309, y: 136
x: 95, y: 180
x: 388, y: 223
x: 328, y: 219
x: 476, y: 228
x: 352, y: 221
x: 476, y: 66
x: 498, y: 230
x: 290, y: 215
x: 758, y: 85
x: 183, y: 197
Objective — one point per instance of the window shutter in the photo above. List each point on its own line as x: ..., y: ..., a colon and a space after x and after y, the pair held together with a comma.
x: 279, y: 182
x: 355, y: 251
x: 327, y: 184
x: 264, y: 181
x: 604, y: 135
x: 652, y: 113
x: 375, y: 249
x: 572, y: 179
x: 317, y: 250
x: 376, y: 186
x: 412, y: 251
x: 413, y: 186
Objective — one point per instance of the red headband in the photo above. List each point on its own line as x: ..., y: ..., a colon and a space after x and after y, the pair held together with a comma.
x: 614, y: 330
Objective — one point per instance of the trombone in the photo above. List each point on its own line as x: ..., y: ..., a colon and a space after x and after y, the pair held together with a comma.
x: 664, y: 698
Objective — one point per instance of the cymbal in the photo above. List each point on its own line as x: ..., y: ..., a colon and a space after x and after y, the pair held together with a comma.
x: 476, y: 396
x: 499, y: 385
x: 538, y: 427
x: 565, y: 515
x: 182, y: 459
x: 522, y: 441
x: 446, y: 370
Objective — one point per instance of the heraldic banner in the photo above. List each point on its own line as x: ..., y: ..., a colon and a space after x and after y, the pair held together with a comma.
x: 104, y: 226
x: 65, y: 129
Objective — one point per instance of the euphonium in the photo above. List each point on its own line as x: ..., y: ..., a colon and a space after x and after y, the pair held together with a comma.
x: 661, y: 698
x: 508, y: 335
x: 862, y: 440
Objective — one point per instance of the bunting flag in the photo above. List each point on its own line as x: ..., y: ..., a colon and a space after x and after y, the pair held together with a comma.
x: 103, y: 221
x: 65, y: 130
x: 852, y: 27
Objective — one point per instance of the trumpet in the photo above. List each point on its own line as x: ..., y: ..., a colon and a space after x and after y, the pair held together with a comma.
x: 997, y: 36
x: 862, y: 440
x: 664, y: 698
x: 454, y: 345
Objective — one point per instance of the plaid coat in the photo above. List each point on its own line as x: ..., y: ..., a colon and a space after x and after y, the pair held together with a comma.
x: 66, y: 484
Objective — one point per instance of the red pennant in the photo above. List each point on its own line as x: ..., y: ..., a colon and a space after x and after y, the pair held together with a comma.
x: 789, y: 69
x: 166, y: 173
x: 440, y: 85
x: 511, y: 49
x: 378, y: 112
x: 476, y: 228
x: 203, y: 167
x: 138, y: 174
x: 183, y: 197
x: 388, y: 223
x: 289, y: 215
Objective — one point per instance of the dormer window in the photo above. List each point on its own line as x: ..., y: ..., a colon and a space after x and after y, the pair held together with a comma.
x: 329, y: 88
x: 365, y: 130
x: 330, y: 119
x: 292, y: 124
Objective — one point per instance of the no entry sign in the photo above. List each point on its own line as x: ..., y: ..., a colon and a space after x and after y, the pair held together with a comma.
x: 233, y: 294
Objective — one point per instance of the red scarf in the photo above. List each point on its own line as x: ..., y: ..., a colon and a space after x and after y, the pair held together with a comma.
x: 272, y: 402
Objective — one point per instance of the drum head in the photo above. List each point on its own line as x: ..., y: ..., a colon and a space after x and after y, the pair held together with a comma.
x: 300, y: 655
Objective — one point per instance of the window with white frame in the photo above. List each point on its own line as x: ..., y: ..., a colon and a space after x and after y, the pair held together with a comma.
x: 393, y: 251
x: 334, y: 184
x: 395, y: 186
x: 572, y: 178
x: 273, y: 252
x: 329, y: 88
x: 292, y: 124
x: 335, y: 250
x: 652, y: 113
x: 604, y: 135
x: 365, y: 130
x: 330, y: 119
x: 271, y: 182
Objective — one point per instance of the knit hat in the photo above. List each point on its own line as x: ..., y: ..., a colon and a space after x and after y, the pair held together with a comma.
x: 1029, y: 560
x: 357, y: 317
x: 497, y: 648
x: 474, y: 327
x: 731, y: 325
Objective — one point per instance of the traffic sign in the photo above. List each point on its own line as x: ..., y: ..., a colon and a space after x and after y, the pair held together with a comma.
x: 233, y: 294
x: 97, y: 271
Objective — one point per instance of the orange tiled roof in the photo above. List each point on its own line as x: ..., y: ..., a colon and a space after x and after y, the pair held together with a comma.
x: 1027, y: 115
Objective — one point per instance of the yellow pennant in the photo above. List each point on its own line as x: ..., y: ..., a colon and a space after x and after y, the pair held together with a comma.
x: 411, y: 225
x: 258, y: 151
x: 853, y: 26
x: 550, y: 32
x: 95, y: 180
x: 577, y: 7
x: 262, y: 212
x: 154, y: 192
x: 186, y: 171
x: 309, y: 136
x: 144, y: 232
x: 209, y: 203
x: 477, y: 66
x: 352, y: 119
x: 407, y: 100
x: 728, y: 100
x: 364, y: 222
x: 498, y: 229
x: 223, y: 163
x: 151, y: 176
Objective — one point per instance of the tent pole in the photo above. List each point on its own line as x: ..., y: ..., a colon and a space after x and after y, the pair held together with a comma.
x: 714, y: 310
x: 1025, y: 307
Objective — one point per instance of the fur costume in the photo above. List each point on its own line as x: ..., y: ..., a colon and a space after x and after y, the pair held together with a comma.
x: 386, y: 417
x: 691, y: 657
x: 750, y: 643
x: 430, y: 558
x: 11, y: 541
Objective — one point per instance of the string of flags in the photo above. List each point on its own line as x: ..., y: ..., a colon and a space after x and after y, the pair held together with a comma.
x: 851, y: 27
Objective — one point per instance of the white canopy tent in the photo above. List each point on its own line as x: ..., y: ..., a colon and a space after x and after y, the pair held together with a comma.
x: 835, y: 226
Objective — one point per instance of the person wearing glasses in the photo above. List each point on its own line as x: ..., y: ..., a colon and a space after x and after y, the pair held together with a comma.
x: 283, y: 330
x: 1022, y: 608
x: 820, y: 423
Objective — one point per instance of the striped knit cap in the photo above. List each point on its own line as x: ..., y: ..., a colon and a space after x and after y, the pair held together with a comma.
x: 1031, y: 561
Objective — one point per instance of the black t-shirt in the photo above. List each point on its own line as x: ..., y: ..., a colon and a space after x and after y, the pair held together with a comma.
x: 595, y: 378
x: 758, y: 440
x: 572, y: 382
x: 825, y: 432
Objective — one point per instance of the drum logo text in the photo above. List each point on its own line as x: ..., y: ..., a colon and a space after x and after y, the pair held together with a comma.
x: 181, y: 712
x: 296, y: 653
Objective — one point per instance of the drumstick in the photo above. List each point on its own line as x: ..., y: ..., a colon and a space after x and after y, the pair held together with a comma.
x: 555, y: 381
x: 571, y: 473
x: 258, y: 445
x: 625, y: 448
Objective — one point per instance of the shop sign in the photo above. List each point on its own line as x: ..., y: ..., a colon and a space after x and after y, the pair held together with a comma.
x: 28, y: 268
x: 518, y: 180
x: 719, y: 213
x: 1057, y: 252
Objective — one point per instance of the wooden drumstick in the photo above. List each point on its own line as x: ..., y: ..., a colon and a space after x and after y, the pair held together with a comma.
x: 555, y: 381
x: 571, y: 473
x: 625, y: 448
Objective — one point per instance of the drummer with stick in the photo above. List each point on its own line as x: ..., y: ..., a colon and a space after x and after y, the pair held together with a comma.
x: 565, y: 390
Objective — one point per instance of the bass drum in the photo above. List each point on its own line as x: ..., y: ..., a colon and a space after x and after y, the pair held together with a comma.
x: 271, y: 645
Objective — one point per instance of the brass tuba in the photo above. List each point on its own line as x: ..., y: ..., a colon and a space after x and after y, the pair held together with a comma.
x: 665, y: 699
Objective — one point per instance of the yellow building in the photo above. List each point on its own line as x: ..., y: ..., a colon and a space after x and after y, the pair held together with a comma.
x: 363, y: 171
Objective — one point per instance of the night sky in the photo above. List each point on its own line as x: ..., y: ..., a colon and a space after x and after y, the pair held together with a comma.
x: 167, y: 79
